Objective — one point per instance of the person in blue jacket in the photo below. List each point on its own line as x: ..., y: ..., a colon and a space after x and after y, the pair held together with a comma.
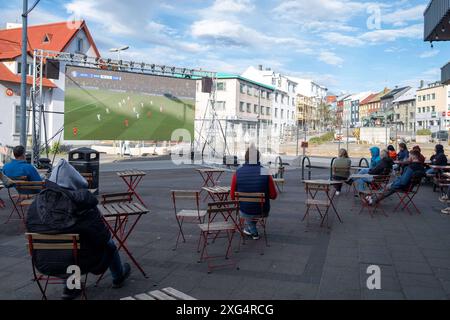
x: 19, y: 167
x: 415, y: 169
x: 375, y: 160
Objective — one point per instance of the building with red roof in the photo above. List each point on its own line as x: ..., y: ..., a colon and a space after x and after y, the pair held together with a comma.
x: 72, y: 37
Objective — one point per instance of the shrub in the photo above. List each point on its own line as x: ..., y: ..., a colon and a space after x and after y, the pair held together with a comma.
x: 424, y: 132
x: 322, y: 139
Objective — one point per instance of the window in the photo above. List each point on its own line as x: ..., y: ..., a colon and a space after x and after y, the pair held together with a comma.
x: 29, y: 68
x: 80, y: 45
x: 268, y: 94
x: 262, y: 110
x: 249, y: 107
x: 276, y: 97
x: 263, y: 94
x: 249, y: 90
x: 221, y: 86
x: 255, y: 108
x: 428, y: 109
x: 17, y: 120
x: 268, y: 111
x: 428, y: 97
x: 220, y: 105
x: 242, y: 88
x: 433, y: 96
x: 282, y: 113
x: 256, y: 92
x: 241, y: 107
x: 433, y: 109
x: 276, y: 112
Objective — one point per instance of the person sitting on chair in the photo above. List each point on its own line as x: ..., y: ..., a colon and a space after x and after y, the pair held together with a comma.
x: 384, y: 168
x: 250, y: 178
x: 392, y: 153
x: 438, y: 159
x: 19, y: 167
x: 414, y: 170
x: 375, y: 159
x: 67, y: 207
x: 341, y: 169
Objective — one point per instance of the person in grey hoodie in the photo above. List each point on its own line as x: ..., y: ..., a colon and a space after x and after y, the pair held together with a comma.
x: 66, y: 206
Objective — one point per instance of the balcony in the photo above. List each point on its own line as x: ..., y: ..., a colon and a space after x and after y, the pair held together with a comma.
x: 445, y: 71
x: 437, y: 15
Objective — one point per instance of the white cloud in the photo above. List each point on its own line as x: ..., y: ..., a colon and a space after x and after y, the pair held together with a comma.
x: 331, y: 58
x: 429, y: 54
x: 389, y: 35
x: 345, y: 40
x: 402, y: 16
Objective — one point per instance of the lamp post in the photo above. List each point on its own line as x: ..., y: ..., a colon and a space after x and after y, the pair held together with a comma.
x: 119, y: 50
x: 24, y: 71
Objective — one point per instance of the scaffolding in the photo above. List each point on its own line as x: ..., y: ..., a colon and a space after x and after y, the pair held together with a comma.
x: 210, y: 123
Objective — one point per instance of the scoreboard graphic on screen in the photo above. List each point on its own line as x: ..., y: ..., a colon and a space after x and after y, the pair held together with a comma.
x: 110, y: 105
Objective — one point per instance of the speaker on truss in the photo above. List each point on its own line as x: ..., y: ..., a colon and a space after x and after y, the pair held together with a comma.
x: 207, y: 84
x: 52, y: 69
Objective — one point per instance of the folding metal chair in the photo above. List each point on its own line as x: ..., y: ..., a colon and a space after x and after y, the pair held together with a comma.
x: 193, y: 214
x: 407, y: 196
x: 376, y: 189
x: 222, y: 222
x: 62, y: 242
x: 26, y: 190
x: 261, y: 220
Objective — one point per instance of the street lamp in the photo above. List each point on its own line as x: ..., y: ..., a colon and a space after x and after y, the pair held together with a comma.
x: 119, y: 50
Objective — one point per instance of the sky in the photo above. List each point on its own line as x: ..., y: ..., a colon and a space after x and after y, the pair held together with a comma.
x: 347, y: 45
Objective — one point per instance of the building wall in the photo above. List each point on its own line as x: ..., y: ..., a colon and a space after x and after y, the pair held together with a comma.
x: 432, y: 108
x: 404, y: 116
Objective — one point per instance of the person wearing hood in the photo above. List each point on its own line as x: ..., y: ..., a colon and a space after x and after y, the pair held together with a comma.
x: 438, y: 159
x: 414, y: 170
x: 375, y: 159
x: 383, y: 168
x: 67, y: 207
x: 251, y: 179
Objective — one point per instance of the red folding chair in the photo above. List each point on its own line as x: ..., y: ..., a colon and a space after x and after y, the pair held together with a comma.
x: 407, y: 196
x: 222, y: 222
x: 260, y: 220
x: 377, y: 187
x: 60, y: 243
x: 190, y: 214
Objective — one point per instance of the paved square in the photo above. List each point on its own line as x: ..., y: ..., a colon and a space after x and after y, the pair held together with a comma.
x: 303, y: 261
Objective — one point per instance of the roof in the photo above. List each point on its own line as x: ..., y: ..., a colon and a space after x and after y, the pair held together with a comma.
x: 407, y: 96
x: 394, y: 92
x: 224, y: 75
x: 8, y: 76
x: 378, y: 96
x: 368, y: 99
x: 59, y: 35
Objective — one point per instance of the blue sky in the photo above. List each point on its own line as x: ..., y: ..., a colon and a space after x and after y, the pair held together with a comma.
x: 347, y: 45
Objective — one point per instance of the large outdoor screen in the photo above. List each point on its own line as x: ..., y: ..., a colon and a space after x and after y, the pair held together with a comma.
x: 110, y: 105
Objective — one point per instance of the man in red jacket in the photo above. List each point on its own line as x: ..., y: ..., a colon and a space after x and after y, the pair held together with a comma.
x: 250, y: 178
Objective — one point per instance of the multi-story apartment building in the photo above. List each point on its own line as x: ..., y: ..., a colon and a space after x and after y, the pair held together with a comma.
x: 340, y: 109
x: 305, y: 111
x: 310, y: 96
x: 433, y: 107
x: 387, y: 106
x: 405, y: 111
x: 347, y: 113
x: 284, y: 100
x: 375, y: 102
x: 355, y: 105
x: 364, y: 108
x: 243, y: 108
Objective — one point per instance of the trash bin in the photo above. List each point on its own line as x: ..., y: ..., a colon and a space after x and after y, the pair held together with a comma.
x: 45, y: 163
x: 87, y: 160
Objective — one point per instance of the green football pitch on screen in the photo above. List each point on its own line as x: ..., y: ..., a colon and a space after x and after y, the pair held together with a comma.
x: 101, y: 106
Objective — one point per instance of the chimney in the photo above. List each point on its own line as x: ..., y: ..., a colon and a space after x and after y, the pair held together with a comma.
x: 422, y: 84
x: 260, y: 67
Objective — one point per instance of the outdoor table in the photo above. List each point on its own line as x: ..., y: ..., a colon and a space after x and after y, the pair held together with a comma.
x: 441, y: 168
x: 116, y: 216
x: 219, y: 194
x: 132, y: 178
x: 358, y: 168
x: 313, y: 187
x: 210, y: 177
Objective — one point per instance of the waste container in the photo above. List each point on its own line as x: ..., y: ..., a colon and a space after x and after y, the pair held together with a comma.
x: 45, y: 163
x: 87, y: 160
x: 230, y: 161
